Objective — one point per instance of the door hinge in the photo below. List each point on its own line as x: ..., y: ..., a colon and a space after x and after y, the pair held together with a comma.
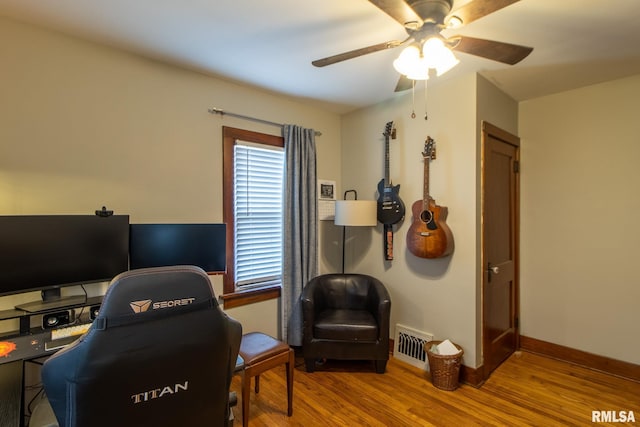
x: 516, y: 166
x: 516, y: 322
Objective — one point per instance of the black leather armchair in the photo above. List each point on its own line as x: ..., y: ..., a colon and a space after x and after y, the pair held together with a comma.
x: 160, y: 353
x: 346, y: 316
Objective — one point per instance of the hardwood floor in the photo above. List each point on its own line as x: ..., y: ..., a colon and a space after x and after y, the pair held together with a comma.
x: 526, y: 390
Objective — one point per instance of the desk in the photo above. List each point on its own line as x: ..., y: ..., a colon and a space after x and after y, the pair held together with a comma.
x: 25, y: 344
x: 15, y: 351
x: 11, y: 393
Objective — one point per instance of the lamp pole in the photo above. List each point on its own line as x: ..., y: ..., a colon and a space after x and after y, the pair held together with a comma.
x: 344, y: 227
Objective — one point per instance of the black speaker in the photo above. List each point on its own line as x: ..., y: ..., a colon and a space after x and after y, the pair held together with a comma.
x: 53, y: 320
x: 93, y: 311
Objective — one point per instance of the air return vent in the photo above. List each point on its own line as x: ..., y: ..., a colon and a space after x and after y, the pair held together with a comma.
x: 409, y: 346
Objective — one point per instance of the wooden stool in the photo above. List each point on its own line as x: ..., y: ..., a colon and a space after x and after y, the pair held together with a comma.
x: 261, y: 353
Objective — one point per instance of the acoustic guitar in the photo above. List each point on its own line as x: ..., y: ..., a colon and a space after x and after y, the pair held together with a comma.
x: 429, y: 235
x: 390, y: 207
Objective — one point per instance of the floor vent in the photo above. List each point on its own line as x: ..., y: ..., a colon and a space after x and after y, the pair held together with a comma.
x: 409, y: 346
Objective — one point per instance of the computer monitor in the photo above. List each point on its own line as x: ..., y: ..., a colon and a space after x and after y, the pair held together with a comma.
x: 47, y: 252
x: 158, y: 245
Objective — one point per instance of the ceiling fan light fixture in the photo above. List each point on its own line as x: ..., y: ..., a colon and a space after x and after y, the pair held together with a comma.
x: 419, y: 73
x: 415, y: 64
x: 438, y: 56
x: 411, y: 63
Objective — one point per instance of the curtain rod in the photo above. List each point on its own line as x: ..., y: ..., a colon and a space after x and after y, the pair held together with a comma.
x: 253, y: 119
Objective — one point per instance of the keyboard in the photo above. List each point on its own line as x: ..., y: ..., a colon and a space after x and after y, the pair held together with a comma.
x: 62, y: 337
x: 69, y: 331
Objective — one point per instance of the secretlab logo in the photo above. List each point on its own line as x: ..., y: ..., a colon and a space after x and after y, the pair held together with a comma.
x: 140, y: 306
x: 143, y: 305
x: 157, y: 393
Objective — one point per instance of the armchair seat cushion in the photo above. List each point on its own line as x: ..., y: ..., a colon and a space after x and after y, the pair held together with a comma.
x: 346, y: 325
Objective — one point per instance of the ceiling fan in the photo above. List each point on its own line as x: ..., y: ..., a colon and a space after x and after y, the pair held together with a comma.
x: 426, y: 19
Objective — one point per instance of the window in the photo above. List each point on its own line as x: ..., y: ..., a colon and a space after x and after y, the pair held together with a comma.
x: 253, y: 176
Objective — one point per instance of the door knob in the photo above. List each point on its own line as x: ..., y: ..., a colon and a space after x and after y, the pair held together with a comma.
x: 492, y: 269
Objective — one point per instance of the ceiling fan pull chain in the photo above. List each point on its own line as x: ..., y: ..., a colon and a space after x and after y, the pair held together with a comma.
x: 426, y: 117
x: 413, y: 99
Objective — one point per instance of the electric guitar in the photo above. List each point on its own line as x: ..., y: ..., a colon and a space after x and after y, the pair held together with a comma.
x: 390, y: 207
x: 429, y: 235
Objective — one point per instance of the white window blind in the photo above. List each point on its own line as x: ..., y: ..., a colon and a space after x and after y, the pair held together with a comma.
x: 258, y: 187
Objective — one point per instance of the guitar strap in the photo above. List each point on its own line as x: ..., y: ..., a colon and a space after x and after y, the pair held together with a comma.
x: 388, y: 242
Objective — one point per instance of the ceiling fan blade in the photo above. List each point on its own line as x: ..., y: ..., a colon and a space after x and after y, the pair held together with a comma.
x: 498, y: 51
x: 398, y: 10
x: 476, y: 9
x: 404, y: 83
x: 355, y: 53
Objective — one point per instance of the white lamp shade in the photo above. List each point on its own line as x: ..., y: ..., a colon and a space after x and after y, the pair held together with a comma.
x: 356, y: 213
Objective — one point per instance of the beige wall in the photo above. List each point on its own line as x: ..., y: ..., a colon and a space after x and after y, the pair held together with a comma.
x: 82, y: 126
x: 580, y: 232
x: 437, y: 296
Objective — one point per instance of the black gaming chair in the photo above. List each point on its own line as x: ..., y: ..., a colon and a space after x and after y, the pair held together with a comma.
x: 160, y: 353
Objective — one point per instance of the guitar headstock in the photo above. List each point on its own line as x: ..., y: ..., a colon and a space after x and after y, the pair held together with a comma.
x: 389, y: 131
x: 429, y: 149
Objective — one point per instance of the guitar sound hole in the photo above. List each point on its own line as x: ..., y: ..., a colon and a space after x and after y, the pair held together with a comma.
x: 426, y: 217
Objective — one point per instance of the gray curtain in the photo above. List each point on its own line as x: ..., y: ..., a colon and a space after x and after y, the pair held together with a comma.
x: 300, y: 234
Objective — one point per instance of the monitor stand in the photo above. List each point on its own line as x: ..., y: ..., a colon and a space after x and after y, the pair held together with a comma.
x: 51, y: 300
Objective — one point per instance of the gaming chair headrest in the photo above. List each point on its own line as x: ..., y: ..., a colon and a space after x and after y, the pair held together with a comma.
x: 154, y: 292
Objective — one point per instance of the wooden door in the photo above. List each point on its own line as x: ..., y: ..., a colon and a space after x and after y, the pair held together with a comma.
x: 500, y: 199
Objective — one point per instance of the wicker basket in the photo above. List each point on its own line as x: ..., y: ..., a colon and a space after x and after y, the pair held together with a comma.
x: 445, y: 370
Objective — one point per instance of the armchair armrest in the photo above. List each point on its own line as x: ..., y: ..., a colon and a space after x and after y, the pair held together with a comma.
x: 379, y: 303
x: 311, y: 299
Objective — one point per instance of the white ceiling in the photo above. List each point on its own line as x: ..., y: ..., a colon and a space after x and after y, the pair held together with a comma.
x: 271, y: 43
